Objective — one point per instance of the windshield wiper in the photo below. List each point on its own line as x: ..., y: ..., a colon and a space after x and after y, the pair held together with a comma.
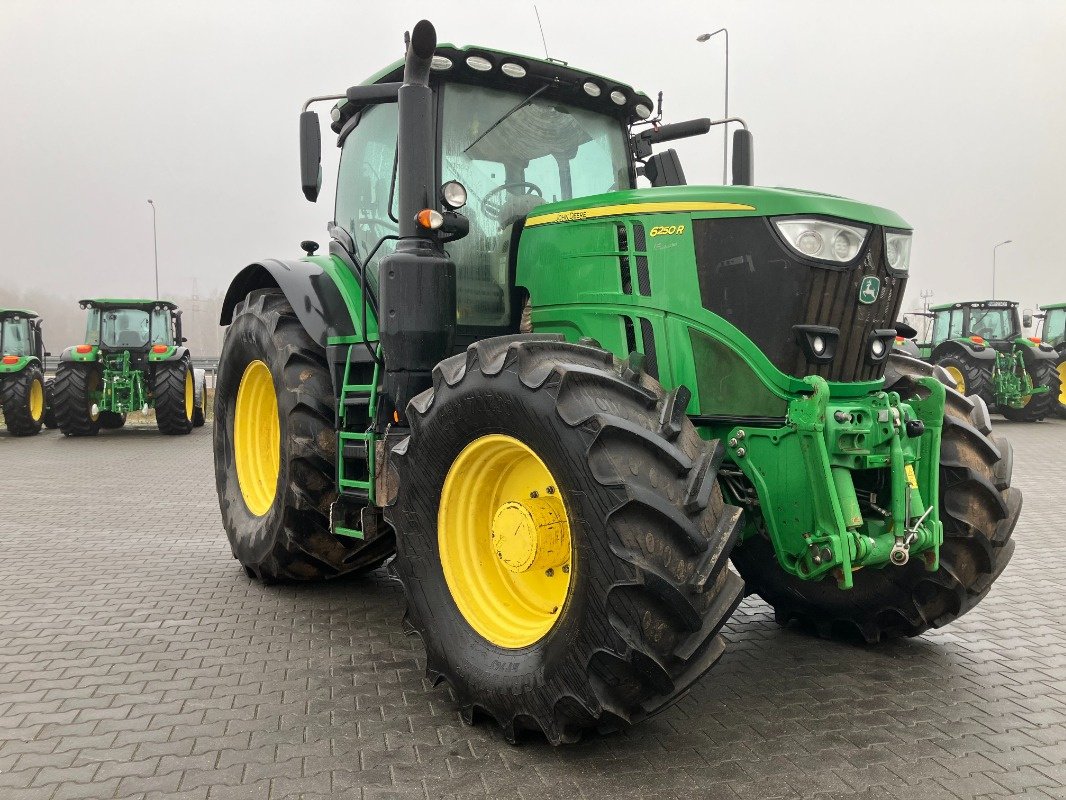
x: 496, y: 124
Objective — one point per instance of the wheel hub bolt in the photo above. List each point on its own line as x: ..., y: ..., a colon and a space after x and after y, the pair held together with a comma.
x: 741, y: 452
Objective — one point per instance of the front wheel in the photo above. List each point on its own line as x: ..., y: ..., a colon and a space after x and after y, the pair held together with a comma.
x: 23, y: 402
x: 275, y: 450
x: 561, y: 538
x: 978, y: 508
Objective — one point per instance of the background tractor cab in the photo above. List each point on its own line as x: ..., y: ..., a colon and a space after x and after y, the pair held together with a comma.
x: 133, y: 359
x: 1053, y: 331
x: 25, y: 394
x: 982, y: 346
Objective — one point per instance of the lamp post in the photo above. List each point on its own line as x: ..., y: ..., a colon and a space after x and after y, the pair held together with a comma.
x: 704, y: 37
x: 155, y: 245
x: 994, y: 248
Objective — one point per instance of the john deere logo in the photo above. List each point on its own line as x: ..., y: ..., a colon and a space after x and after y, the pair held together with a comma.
x: 869, y: 290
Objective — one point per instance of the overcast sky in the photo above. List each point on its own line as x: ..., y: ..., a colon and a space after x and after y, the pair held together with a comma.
x: 950, y: 113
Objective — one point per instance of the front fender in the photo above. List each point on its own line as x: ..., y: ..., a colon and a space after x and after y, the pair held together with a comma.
x: 310, y: 290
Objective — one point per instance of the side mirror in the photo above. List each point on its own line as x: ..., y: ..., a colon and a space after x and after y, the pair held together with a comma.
x: 1027, y: 320
x: 310, y: 155
x: 743, y: 158
x: 184, y: 339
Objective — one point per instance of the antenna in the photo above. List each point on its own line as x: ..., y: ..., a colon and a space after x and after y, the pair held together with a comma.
x: 541, y: 26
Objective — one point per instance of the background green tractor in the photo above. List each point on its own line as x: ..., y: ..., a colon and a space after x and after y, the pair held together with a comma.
x: 981, y: 345
x: 565, y: 402
x: 133, y: 359
x: 1053, y: 332
x: 25, y: 394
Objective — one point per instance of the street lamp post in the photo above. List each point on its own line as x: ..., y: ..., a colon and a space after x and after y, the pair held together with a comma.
x: 703, y: 37
x: 994, y: 248
x: 155, y: 245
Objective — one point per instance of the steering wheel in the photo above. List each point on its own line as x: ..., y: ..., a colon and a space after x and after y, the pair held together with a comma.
x: 492, y: 207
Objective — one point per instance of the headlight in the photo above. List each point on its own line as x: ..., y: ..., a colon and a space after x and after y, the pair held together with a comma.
x: 822, y: 240
x: 898, y: 250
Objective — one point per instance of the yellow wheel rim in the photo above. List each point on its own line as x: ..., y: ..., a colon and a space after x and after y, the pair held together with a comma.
x: 36, y: 400
x: 956, y: 375
x: 189, y: 394
x: 504, y: 539
x: 1062, y: 383
x: 257, y: 438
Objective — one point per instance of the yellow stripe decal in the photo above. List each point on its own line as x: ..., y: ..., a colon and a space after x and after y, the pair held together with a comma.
x: 633, y: 208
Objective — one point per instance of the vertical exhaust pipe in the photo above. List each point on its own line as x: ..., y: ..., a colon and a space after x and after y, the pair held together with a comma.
x: 417, y: 281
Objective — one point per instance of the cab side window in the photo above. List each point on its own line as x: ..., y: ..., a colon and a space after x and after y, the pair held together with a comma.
x: 365, y: 185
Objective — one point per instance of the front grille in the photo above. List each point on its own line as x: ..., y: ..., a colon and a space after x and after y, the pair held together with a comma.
x: 749, y: 277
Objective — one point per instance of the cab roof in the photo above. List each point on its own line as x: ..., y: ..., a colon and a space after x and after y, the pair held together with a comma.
x: 17, y: 312
x: 978, y: 303
x: 1053, y: 306
x: 136, y: 302
x: 525, y: 74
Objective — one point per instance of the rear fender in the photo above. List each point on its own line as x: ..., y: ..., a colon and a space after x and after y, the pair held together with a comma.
x: 71, y: 354
x: 172, y: 354
x: 311, y: 291
x: 1037, y: 353
x: 966, y: 350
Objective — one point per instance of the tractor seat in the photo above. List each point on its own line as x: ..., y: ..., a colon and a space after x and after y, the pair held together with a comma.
x: 517, y: 207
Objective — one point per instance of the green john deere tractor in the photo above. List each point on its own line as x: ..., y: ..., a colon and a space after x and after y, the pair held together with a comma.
x: 134, y: 358
x: 565, y: 402
x: 1053, y: 332
x: 25, y: 394
x: 981, y: 345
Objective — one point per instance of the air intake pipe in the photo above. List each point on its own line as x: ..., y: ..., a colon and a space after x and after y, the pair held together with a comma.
x: 417, y: 281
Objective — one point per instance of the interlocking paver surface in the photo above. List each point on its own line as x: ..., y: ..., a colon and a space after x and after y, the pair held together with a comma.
x: 138, y: 661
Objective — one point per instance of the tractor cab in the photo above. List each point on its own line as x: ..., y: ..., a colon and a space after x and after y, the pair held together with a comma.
x: 135, y: 325
x: 20, y: 335
x: 997, y: 322
x: 1053, y: 325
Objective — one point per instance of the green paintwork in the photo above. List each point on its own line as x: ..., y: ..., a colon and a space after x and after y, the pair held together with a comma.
x: 72, y: 354
x: 767, y: 202
x: 166, y: 355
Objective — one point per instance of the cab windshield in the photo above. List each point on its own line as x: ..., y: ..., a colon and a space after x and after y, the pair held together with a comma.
x: 542, y: 151
x: 128, y: 328
x: 1055, y: 326
x: 993, y: 323
x: 15, y: 337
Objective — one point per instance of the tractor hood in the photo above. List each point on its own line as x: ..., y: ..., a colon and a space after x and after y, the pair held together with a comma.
x: 722, y: 200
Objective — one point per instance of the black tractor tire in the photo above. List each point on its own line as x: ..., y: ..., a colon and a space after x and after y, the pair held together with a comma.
x: 49, y: 405
x: 16, y: 390
x: 1040, y: 406
x: 977, y: 379
x: 978, y: 508
x: 111, y: 421
x: 650, y: 587
x: 292, y: 540
x: 74, y: 385
x: 173, y: 409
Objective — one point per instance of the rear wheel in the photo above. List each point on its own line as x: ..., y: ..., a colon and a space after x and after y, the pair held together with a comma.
x: 561, y: 537
x: 1039, y: 406
x: 22, y: 399
x: 172, y: 388
x: 1061, y: 369
x: 969, y: 376
x: 978, y: 508
x: 77, y: 388
x: 199, y: 415
x: 275, y: 450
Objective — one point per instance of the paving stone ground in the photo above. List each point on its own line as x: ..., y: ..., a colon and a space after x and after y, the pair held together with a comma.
x: 138, y: 661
